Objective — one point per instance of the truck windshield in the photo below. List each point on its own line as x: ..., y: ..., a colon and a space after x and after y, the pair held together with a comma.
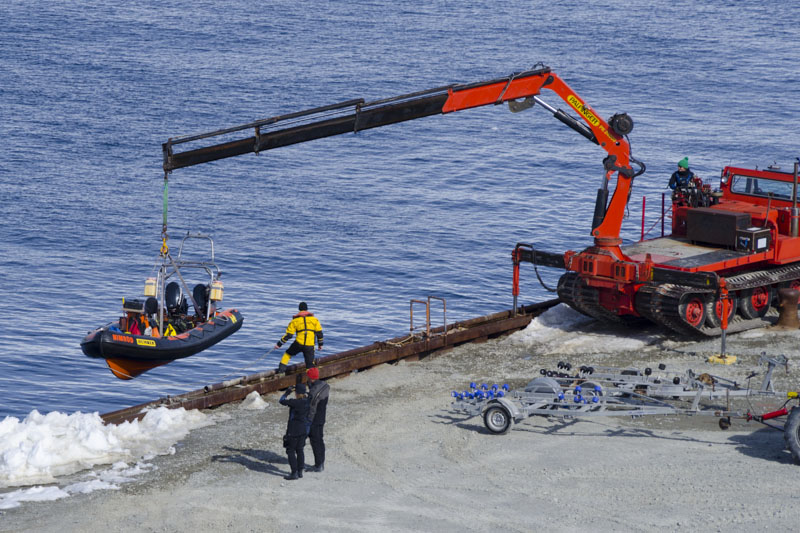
x: 781, y: 190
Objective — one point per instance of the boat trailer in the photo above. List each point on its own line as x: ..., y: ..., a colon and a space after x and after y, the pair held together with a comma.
x: 607, y: 391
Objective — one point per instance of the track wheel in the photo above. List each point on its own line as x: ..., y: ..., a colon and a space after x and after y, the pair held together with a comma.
x: 497, y: 419
x: 791, y: 433
x: 693, y: 310
x: 714, y: 310
x: 754, y: 303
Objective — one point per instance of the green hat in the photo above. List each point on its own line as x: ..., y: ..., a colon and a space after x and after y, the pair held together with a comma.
x: 684, y: 162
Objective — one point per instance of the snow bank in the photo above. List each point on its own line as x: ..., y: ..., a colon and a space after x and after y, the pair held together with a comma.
x: 41, y: 448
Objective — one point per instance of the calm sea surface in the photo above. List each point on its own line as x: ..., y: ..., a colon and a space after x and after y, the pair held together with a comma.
x: 355, y: 225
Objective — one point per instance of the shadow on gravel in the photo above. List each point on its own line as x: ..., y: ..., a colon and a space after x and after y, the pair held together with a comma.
x: 765, y: 443
x: 565, y: 428
x: 256, y: 460
x: 471, y: 423
x: 562, y: 428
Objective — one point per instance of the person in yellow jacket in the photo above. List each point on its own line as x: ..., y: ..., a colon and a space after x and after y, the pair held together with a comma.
x: 307, y: 328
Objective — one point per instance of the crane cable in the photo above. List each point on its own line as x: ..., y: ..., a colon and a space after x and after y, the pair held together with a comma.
x: 165, y: 253
x: 164, y: 237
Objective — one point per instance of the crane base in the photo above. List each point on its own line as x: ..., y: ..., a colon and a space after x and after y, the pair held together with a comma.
x: 722, y: 359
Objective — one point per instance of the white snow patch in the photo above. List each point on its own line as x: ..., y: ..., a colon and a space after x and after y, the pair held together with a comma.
x: 33, y: 494
x: 562, y: 330
x: 41, y: 448
x: 753, y: 333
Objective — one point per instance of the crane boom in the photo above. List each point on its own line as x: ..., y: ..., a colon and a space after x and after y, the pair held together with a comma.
x: 520, y: 90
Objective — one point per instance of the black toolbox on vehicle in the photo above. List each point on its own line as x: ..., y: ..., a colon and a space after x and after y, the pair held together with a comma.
x: 715, y: 226
x: 752, y: 240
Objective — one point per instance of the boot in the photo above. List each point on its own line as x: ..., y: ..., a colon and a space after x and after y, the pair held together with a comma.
x: 316, y: 468
x: 292, y: 476
x: 281, y: 368
x: 299, y: 473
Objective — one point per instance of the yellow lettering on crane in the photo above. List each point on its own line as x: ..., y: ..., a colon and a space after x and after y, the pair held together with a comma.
x: 587, y: 113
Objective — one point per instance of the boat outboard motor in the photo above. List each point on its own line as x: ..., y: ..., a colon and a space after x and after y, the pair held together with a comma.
x: 200, y: 293
x: 174, y: 300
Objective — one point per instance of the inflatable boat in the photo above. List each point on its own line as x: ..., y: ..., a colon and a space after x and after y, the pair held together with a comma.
x: 129, y: 355
x: 159, y: 328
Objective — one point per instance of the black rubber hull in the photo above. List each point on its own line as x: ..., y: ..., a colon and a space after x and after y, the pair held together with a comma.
x: 102, y: 343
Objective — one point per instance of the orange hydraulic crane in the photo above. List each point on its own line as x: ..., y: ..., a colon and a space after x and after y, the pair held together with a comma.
x: 520, y: 90
x: 674, y: 281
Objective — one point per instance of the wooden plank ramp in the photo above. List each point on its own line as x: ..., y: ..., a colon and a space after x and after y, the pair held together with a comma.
x: 413, y: 346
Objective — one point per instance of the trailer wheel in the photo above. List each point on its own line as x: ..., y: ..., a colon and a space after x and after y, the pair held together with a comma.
x: 497, y: 419
x: 754, y: 303
x: 791, y: 433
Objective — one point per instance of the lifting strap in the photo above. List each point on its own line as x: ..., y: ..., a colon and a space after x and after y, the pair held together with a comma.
x: 164, y: 248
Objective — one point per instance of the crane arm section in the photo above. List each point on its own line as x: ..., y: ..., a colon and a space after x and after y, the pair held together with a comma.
x: 519, y: 90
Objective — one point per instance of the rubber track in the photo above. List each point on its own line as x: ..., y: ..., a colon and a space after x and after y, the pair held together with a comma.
x: 584, y: 299
x: 760, y: 278
x: 567, y: 293
x: 661, y: 304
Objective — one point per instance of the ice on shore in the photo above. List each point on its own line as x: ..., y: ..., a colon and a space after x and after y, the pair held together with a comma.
x: 561, y: 329
x: 42, y: 448
x: 254, y: 401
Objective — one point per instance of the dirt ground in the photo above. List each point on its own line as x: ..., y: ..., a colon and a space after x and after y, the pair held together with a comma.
x: 400, y: 459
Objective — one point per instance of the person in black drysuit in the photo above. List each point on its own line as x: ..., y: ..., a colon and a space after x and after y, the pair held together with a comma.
x: 296, y: 430
x: 680, y: 178
x: 318, y: 392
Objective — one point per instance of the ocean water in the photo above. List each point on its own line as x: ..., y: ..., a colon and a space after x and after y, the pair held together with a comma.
x: 355, y: 225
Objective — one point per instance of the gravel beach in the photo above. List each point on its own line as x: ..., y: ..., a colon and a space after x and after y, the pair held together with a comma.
x: 399, y: 459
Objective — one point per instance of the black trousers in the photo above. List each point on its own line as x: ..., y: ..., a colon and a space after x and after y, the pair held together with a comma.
x: 308, y: 352
x: 317, y: 444
x: 294, y: 451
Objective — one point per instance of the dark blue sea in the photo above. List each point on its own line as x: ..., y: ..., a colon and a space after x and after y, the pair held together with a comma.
x: 355, y: 225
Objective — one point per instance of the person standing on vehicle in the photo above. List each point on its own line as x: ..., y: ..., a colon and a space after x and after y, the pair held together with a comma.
x: 296, y: 430
x: 318, y: 392
x: 307, y: 328
x: 680, y: 178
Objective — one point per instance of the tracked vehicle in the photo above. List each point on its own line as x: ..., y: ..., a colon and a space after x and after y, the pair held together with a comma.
x: 741, y: 239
